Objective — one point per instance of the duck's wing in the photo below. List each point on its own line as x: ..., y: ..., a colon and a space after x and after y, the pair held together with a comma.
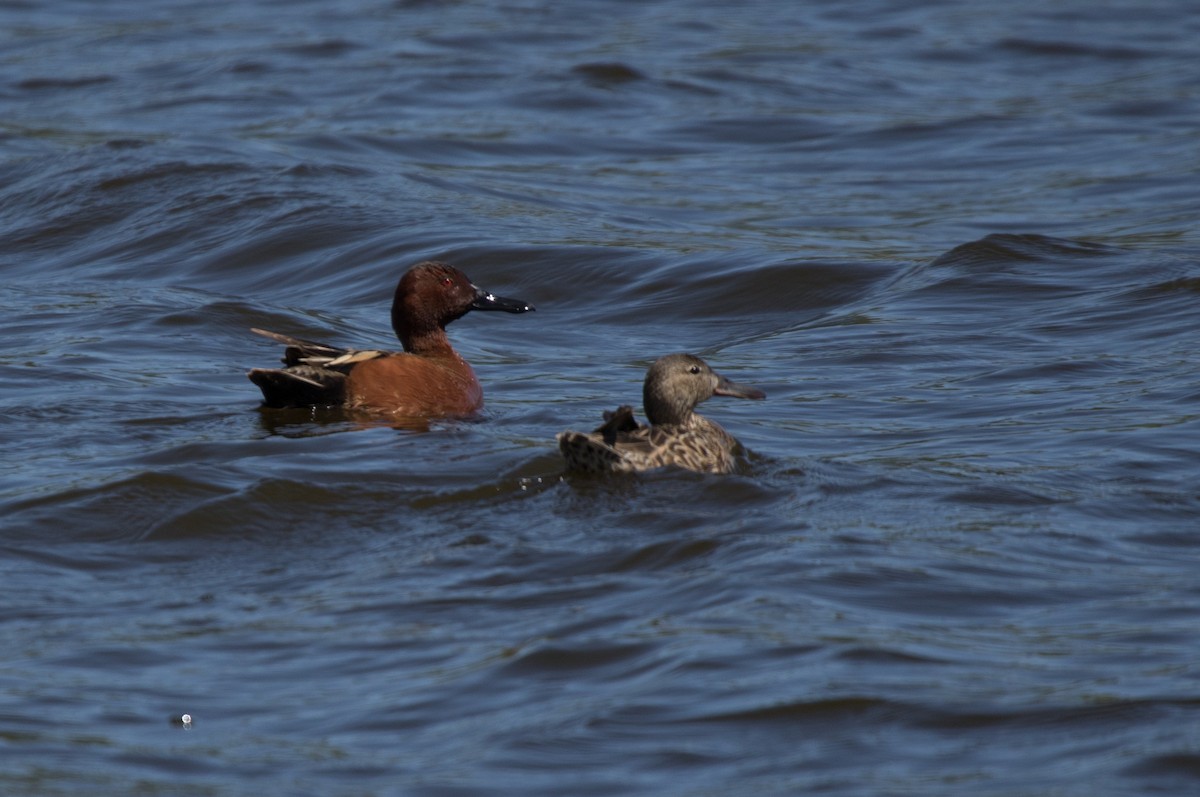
x: 309, y: 352
x: 623, y: 445
x: 314, y: 373
x: 300, y: 386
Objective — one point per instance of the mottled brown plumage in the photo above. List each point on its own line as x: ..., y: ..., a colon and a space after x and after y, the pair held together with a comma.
x: 676, y: 435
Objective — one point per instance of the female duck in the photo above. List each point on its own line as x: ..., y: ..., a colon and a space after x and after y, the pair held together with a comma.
x: 676, y: 436
x: 429, y: 379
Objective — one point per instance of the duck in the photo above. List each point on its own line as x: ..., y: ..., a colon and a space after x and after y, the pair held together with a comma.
x: 428, y: 379
x: 677, y: 436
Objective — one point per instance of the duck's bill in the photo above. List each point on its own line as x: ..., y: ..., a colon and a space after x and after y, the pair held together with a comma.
x: 733, y: 389
x: 490, y: 301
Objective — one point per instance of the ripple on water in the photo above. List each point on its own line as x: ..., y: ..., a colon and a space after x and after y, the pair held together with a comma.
x: 955, y: 248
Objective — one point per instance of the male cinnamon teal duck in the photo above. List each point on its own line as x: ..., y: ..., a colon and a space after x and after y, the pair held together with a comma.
x: 429, y: 379
x: 677, y: 436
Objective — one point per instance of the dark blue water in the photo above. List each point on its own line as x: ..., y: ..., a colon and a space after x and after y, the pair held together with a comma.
x: 955, y: 243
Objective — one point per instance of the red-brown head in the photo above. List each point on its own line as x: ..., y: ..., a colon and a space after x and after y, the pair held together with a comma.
x: 431, y: 295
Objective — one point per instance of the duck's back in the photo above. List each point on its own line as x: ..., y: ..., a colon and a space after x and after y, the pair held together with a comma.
x: 699, y: 445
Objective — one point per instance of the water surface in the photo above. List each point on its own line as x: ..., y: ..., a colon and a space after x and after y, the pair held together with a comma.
x: 955, y: 245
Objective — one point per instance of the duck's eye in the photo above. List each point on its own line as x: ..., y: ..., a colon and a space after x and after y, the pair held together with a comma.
x: 695, y: 369
x: 447, y: 281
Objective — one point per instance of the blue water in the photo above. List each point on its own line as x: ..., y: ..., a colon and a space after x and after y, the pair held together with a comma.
x: 955, y: 244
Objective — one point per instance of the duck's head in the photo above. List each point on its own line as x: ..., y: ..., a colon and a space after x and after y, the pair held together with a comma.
x: 431, y: 294
x: 676, y: 383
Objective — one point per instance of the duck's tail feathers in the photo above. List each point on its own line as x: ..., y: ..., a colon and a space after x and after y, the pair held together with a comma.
x: 615, y: 422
